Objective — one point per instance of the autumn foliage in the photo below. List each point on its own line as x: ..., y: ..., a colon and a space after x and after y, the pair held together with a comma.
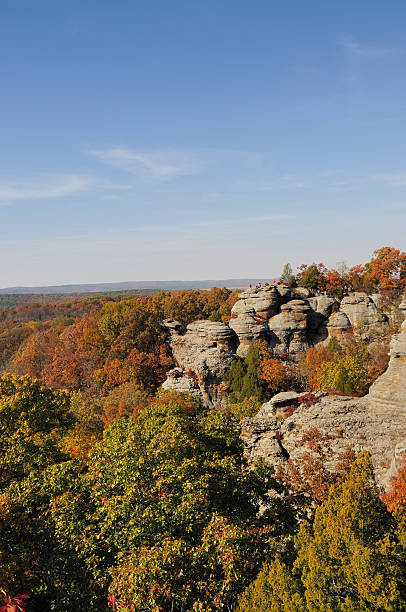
x: 386, y: 273
x: 117, y: 494
x: 395, y: 498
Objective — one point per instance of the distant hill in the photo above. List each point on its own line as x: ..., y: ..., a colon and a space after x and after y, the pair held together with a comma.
x: 231, y: 283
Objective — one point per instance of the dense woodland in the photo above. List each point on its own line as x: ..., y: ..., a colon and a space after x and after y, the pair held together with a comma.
x: 117, y: 494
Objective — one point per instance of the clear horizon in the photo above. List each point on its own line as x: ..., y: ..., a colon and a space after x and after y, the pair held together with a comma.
x: 154, y: 140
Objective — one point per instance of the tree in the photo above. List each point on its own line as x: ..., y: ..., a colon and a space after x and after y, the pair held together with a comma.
x: 278, y: 375
x: 174, y: 575
x: 387, y: 270
x: 126, y: 400
x: 395, y: 498
x: 348, y: 371
x: 350, y: 559
x: 251, y: 384
x: 274, y: 590
x: 312, y: 277
x: 235, y: 377
x: 247, y: 407
x: 73, y: 361
x: 169, y: 489
x: 33, y: 470
x: 148, y: 370
x: 287, y: 277
x: 34, y: 353
x: 334, y: 283
x: 311, y: 366
x: 32, y: 421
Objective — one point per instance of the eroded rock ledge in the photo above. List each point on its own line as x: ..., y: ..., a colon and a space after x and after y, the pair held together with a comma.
x: 376, y: 422
x: 204, y: 354
x: 288, y: 320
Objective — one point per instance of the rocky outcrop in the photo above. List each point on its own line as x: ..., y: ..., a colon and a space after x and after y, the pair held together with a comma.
x: 203, y: 355
x: 364, y: 315
x: 388, y: 393
x: 338, y: 324
x: 250, y: 315
x: 289, y: 324
x: 288, y: 329
x: 376, y: 422
x: 323, y: 304
x: 339, y: 419
x: 178, y: 380
x: 274, y: 314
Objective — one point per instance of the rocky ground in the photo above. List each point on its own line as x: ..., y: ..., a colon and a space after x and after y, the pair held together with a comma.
x: 376, y: 422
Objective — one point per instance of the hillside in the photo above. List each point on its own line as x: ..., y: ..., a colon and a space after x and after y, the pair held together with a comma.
x: 231, y: 283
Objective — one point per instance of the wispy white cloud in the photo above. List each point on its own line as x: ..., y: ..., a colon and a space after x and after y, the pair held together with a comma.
x: 52, y: 186
x: 55, y: 186
x: 355, y: 48
x: 162, y: 165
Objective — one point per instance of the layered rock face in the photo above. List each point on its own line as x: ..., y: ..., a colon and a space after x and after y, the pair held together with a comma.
x: 388, y: 393
x: 288, y: 329
x: 376, y: 422
x: 290, y: 320
x: 363, y: 314
x: 204, y: 354
x: 249, y: 316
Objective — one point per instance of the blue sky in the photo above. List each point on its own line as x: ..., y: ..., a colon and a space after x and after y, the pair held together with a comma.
x: 189, y: 140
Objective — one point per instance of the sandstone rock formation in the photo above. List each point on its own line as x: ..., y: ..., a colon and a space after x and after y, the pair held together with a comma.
x: 178, y: 380
x: 249, y: 316
x: 388, y: 393
x: 204, y: 354
x: 288, y: 329
x: 376, y: 422
x: 289, y: 325
x: 363, y: 314
x: 338, y: 324
x: 276, y: 315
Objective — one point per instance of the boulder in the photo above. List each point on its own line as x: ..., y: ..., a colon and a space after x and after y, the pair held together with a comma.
x: 283, y: 399
x: 178, y: 380
x: 363, y: 313
x: 173, y: 326
x: 301, y: 292
x: 288, y: 329
x: 321, y: 308
x: 388, y: 393
x: 338, y: 324
x: 250, y: 314
x: 204, y: 354
x: 260, y: 437
x: 323, y: 304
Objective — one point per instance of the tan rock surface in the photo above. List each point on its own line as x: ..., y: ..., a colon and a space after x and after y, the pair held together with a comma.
x: 376, y: 422
x: 249, y: 316
x: 363, y: 314
x: 205, y: 352
x: 288, y: 329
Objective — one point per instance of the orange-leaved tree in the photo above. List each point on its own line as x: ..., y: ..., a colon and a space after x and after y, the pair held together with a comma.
x: 311, y: 366
x: 277, y: 374
x: 387, y: 270
x: 395, y: 498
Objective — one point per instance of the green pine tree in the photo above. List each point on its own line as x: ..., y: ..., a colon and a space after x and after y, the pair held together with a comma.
x: 252, y: 386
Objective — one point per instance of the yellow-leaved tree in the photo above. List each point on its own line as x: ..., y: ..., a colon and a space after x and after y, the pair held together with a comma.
x: 350, y: 559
